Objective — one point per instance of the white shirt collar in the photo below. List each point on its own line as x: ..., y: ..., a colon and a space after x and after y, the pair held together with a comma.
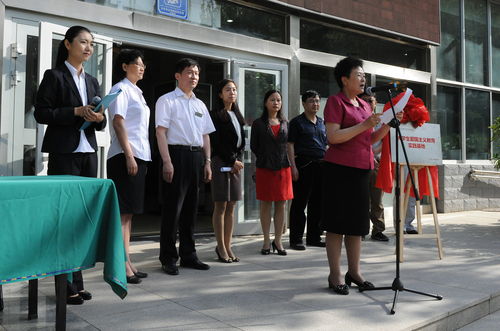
x: 179, y: 93
x: 73, y: 70
x: 132, y: 86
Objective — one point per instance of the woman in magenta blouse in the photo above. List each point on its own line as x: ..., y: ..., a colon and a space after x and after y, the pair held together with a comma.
x: 348, y: 161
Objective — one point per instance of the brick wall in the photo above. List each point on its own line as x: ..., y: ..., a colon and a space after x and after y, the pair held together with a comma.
x: 416, y: 18
x: 459, y: 193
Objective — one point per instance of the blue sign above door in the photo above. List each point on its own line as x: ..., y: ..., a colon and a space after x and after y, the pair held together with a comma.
x: 174, y: 8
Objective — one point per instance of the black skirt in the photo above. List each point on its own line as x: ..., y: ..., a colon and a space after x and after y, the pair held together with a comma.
x: 130, y: 189
x: 346, y: 200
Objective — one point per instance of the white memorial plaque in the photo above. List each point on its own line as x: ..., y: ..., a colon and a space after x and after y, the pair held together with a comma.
x: 422, y: 144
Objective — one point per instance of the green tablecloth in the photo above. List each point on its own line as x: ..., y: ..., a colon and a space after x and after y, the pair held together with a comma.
x: 51, y: 225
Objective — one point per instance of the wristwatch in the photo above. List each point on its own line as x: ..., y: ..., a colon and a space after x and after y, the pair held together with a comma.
x: 208, y: 160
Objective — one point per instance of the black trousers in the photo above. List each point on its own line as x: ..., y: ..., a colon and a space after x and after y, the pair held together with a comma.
x: 77, y: 164
x: 180, y: 206
x: 306, y: 192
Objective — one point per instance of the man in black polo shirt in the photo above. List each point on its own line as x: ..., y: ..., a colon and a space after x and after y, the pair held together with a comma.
x: 306, y: 148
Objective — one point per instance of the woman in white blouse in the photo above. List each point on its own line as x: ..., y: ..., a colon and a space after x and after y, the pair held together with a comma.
x: 129, y: 151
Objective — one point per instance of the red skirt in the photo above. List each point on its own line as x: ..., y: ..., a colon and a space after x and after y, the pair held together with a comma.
x: 274, y: 185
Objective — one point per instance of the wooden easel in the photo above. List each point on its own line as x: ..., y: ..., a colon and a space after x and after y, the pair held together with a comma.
x: 402, y: 213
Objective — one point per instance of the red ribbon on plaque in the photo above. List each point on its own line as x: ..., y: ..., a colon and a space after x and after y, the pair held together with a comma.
x: 416, y: 113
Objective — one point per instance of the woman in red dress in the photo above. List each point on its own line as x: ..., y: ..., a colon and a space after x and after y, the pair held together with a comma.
x: 273, y: 176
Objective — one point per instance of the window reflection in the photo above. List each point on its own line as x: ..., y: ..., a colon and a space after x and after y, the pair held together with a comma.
x: 495, y: 107
x: 449, y: 119
x: 477, y: 114
x: 336, y: 41
x: 221, y: 15
x: 476, y: 42
x: 31, y: 81
x: 495, y: 43
x: 448, y: 54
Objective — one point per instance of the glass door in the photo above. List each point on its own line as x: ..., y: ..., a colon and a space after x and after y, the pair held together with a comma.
x: 99, y: 66
x: 254, y: 80
x: 24, y: 83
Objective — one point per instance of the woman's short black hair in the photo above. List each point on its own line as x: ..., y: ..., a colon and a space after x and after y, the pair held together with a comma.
x: 344, y: 68
x: 126, y: 56
x: 62, y: 52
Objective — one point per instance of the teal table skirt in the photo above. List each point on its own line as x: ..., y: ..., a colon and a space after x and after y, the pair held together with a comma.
x: 51, y: 225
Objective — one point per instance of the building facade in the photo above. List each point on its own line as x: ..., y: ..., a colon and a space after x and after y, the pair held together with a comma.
x: 447, y: 51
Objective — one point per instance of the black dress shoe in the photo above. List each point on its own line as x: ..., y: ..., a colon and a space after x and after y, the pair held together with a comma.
x: 78, y: 300
x: 85, y: 295
x: 411, y: 231
x: 298, y: 247
x: 340, y: 289
x: 194, y: 264
x: 380, y: 237
x: 316, y: 243
x: 349, y: 279
x: 139, y: 274
x: 133, y: 280
x: 170, y: 269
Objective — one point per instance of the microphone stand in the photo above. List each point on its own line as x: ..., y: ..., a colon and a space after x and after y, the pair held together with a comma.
x: 397, y: 285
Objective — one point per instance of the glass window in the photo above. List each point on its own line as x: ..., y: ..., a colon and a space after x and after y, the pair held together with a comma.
x: 448, y: 54
x: 252, y: 22
x: 220, y: 15
x: 495, y: 43
x: 477, y: 115
x: 476, y: 42
x: 495, y: 107
x: 326, y: 39
x: 448, y: 116
x: 318, y: 78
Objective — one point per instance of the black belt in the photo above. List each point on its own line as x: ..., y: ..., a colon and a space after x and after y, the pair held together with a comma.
x: 310, y: 159
x: 186, y: 148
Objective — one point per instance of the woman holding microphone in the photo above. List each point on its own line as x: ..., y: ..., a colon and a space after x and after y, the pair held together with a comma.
x: 63, y: 102
x: 348, y: 160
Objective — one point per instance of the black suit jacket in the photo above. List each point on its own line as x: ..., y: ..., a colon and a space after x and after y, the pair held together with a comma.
x: 56, y: 100
x: 224, y: 139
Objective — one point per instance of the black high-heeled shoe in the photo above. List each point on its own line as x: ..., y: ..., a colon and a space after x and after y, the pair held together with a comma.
x: 280, y: 251
x: 340, y: 289
x: 265, y: 251
x: 235, y: 258
x: 349, y: 279
x: 221, y: 259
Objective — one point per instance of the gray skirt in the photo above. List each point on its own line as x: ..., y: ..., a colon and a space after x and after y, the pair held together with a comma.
x: 225, y: 185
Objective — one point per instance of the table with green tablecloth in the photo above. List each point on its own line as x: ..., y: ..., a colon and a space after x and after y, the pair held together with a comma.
x: 55, y: 225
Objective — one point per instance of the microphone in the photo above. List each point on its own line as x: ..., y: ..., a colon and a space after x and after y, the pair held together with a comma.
x: 95, y: 101
x: 386, y: 87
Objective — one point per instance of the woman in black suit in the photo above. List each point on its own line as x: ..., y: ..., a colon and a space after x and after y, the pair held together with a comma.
x: 63, y: 103
x: 228, y: 144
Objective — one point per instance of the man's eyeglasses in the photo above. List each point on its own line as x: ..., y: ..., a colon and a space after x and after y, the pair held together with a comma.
x: 313, y: 101
x: 143, y: 66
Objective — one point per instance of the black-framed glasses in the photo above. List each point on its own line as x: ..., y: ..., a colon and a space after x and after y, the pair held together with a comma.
x: 143, y: 66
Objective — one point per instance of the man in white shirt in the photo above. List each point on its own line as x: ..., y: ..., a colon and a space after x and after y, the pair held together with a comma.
x: 183, y: 125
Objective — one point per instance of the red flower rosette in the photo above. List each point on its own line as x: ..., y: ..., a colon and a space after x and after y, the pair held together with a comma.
x: 417, y: 114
